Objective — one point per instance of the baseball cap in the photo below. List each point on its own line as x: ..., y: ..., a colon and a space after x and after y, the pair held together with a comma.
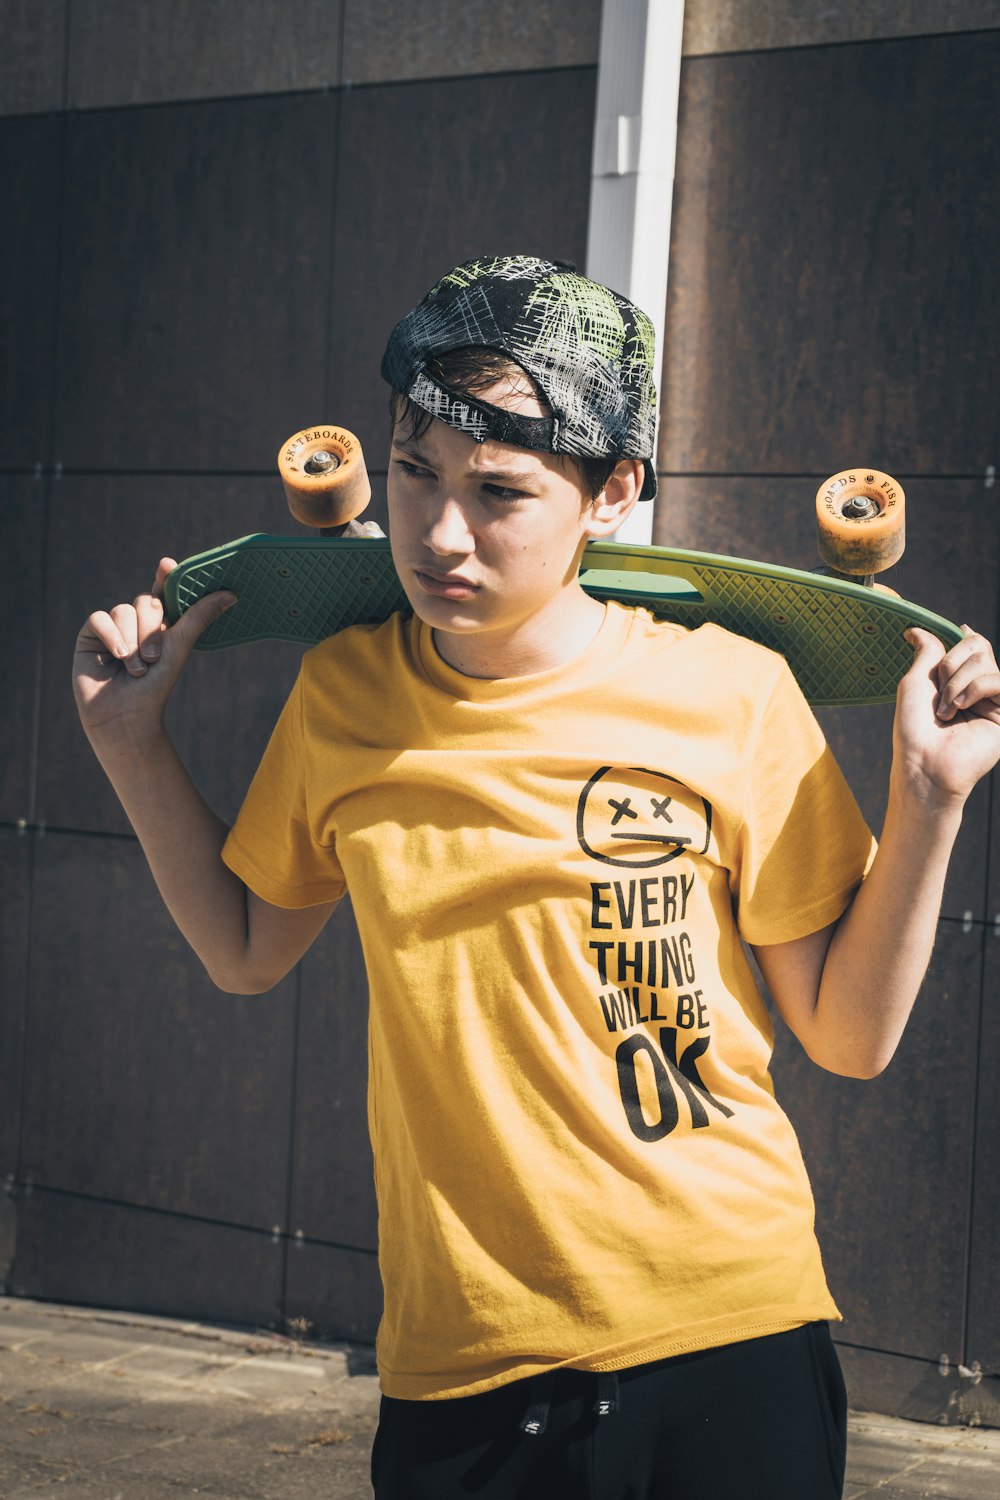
x: 589, y: 350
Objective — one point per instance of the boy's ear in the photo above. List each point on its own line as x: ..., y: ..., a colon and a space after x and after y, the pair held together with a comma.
x: 617, y: 499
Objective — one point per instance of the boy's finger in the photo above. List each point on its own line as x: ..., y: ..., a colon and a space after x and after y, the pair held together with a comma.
x: 928, y: 650
x: 971, y: 644
x: 199, y: 616
x: 149, y: 625
x: 955, y: 686
x: 164, y: 566
x: 125, y: 621
x: 966, y: 675
x: 976, y: 692
x: 100, y: 637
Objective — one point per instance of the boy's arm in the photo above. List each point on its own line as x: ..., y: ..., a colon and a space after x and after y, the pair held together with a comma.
x: 847, y: 991
x: 126, y: 664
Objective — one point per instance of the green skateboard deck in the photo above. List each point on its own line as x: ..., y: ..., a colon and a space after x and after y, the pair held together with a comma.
x: 843, y: 641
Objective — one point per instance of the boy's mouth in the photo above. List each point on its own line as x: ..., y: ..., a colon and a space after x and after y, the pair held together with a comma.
x: 445, y: 585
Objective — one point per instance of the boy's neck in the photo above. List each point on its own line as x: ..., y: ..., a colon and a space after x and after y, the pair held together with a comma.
x: 550, y: 639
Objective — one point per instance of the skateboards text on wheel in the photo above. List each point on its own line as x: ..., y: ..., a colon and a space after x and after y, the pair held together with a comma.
x: 841, y: 633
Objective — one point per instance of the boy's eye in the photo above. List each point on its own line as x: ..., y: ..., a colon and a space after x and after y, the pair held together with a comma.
x: 500, y: 492
x: 415, y: 471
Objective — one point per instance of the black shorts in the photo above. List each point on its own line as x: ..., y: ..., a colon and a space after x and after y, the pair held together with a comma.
x: 764, y: 1419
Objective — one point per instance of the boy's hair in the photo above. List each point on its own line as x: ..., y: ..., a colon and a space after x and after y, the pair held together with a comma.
x: 588, y: 351
x: 471, y: 372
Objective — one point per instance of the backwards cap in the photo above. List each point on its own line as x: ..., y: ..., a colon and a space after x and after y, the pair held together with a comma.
x: 589, y: 351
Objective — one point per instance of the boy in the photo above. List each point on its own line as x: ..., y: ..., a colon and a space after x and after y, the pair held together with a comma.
x: 557, y: 819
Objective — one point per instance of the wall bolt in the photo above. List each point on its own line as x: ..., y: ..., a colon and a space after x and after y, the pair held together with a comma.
x: 966, y: 921
x: 990, y: 477
x: 944, y: 1365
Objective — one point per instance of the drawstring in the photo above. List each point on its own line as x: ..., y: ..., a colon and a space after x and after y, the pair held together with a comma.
x: 540, y: 1389
x: 535, y: 1419
x: 607, y: 1394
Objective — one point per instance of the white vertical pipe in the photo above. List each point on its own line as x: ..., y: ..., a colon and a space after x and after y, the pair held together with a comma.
x: 632, y: 178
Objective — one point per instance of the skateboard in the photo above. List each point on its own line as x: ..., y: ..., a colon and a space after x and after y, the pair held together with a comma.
x: 839, y: 630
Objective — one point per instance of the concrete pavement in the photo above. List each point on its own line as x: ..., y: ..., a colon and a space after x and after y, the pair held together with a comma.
x: 116, y: 1406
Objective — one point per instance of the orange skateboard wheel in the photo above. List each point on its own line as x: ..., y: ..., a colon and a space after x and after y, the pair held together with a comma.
x: 860, y: 521
x: 323, y: 471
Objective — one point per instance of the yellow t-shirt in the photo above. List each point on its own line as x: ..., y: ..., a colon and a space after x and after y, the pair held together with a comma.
x: 578, y: 1154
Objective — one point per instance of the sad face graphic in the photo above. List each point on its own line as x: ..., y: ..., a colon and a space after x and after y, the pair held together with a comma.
x: 630, y: 816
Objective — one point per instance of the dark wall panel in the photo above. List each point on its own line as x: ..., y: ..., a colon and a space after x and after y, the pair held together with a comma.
x: 139, y: 51
x: 950, y: 565
x: 143, y: 1082
x: 396, y: 39
x: 337, y: 1291
x: 22, y: 619
x: 94, y: 1254
x: 15, y: 855
x: 890, y: 1161
x: 829, y: 266
x: 919, y: 1391
x: 195, y: 282
x: 30, y: 174
x: 983, y: 1341
x: 333, y: 1193
x: 33, y: 55
x: 711, y: 26
x: 434, y: 173
x: 106, y: 537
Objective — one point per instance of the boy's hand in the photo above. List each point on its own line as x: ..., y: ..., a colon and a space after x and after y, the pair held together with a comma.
x: 947, y: 728
x: 128, y: 659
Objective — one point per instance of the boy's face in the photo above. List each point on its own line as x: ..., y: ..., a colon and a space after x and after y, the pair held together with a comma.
x: 485, y: 536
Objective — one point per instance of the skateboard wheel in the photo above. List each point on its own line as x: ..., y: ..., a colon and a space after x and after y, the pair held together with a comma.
x: 860, y: 521
x: 323, y: 471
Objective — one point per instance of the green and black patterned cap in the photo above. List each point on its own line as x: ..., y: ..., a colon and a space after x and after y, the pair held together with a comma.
x: 588, y: 349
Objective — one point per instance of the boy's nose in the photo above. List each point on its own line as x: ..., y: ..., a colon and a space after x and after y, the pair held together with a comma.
x: 448, y: 531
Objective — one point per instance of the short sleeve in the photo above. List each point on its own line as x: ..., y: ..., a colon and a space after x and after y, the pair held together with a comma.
x: 804, y: 847
x: 273, y: 846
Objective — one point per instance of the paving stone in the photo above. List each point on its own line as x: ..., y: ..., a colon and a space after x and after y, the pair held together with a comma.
x: 264, y: 1380
x: 19, y: 1479
x: 91, y: 1401
x: 890, y: 1457
x: 22, y: 1335
x: 974, y: 1476
x: 165, y: 1365
x: 83, y: 1347
x: 70, y: 1437
x: 97, y: 1487
x: 876, y: 1460
x: 212, y: 1470
x: 299, y: 1430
